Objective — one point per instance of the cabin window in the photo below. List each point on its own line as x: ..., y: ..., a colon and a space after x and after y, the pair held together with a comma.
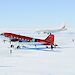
x: 28, y: 40
x: 25, y: 40
x: 22, y: 39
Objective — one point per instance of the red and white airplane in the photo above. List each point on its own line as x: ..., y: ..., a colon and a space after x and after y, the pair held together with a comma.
x: 48, y: 42
x: 15, y: 37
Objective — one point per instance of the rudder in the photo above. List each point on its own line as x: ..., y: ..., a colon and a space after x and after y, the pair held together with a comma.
x: 50, y: 39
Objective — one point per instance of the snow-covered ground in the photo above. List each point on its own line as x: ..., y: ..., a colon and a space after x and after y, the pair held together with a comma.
x: 60, y: 61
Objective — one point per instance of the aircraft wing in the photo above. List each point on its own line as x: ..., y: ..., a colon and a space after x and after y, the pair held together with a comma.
x: 52, y: 31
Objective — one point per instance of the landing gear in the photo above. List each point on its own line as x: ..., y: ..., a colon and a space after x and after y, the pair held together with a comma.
x: 46, y: 46
x: 10, y: 51
x: 18, y: 47
x: 52, y: 47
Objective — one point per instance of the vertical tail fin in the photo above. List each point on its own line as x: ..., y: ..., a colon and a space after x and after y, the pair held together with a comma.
x: 50, y: 39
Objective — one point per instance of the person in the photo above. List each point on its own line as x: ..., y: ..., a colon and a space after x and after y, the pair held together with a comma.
x: 11, y: 46
x: 10, y: 51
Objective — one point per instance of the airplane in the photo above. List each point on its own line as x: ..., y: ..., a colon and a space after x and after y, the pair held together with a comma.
x: 49, y: 41
x: 51, y: 31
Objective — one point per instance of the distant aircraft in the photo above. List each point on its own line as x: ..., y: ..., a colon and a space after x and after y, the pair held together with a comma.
x: 51, y: 31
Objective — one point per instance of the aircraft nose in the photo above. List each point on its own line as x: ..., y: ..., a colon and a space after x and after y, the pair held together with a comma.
x: 1, y: 34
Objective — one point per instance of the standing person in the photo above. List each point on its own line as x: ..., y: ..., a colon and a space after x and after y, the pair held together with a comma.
x: 11, y: 48
x: 10, y: 51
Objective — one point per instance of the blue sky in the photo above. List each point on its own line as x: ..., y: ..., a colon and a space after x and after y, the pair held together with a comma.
x: 36, y: 13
